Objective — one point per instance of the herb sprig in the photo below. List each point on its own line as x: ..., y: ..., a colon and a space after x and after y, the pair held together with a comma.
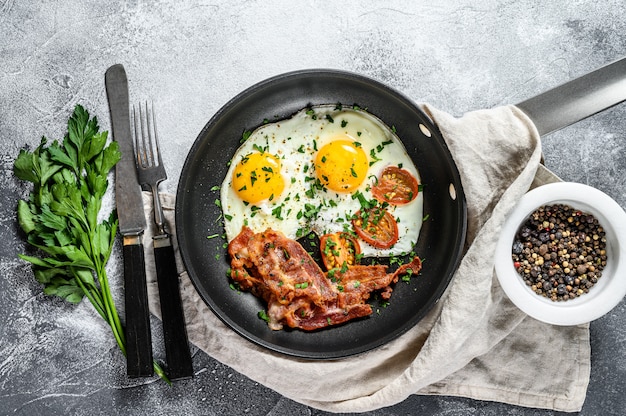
x: 61, y: 217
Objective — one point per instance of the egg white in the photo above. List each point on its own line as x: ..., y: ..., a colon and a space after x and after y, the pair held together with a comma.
x: 304, y: 207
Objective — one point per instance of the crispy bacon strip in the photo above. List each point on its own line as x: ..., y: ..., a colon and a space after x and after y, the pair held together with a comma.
x: 298, y: 293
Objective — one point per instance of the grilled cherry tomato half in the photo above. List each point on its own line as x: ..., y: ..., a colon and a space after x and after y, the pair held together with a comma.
x: 376, y: 227
x: 396, y: 186
x: 339, y: 249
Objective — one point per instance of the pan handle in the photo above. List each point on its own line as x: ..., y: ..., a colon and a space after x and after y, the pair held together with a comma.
x: 577, y: 99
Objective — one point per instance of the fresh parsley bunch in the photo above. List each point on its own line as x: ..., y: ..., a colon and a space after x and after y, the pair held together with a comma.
x: 61, y: 216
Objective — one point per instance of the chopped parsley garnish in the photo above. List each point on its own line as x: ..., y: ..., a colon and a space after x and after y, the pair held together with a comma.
x: 276, y: 212
x: 373, y: 157
x: 310, y: 210
x: 245, y: 136
x: 259, y: 148
x: 263, y: 315
x: 253, y: 210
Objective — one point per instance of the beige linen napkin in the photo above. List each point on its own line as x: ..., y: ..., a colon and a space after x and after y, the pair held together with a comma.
x: 474, y: 343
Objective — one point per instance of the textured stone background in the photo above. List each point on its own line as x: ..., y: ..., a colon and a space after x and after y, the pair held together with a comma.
x: 191, y: 57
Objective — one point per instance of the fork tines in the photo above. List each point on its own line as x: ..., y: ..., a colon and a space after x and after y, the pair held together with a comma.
x: 148, y: 153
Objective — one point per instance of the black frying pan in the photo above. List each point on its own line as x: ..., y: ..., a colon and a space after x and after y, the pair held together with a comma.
x: 197, y: 215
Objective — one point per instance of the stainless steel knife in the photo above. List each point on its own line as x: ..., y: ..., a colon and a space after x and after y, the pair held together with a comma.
x: 577, y: 99
x: 132, y: 223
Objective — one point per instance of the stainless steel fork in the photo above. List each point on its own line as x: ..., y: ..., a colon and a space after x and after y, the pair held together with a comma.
x: 150, y: 169
x: 151, y: 172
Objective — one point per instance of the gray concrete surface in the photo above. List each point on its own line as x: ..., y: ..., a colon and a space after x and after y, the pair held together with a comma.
x: 191, y: 57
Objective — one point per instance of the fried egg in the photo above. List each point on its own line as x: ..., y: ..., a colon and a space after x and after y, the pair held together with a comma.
x: 312, y: 172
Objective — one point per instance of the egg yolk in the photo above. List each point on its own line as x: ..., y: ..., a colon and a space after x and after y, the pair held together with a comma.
x: 341, y: 165
x: 257, y: 177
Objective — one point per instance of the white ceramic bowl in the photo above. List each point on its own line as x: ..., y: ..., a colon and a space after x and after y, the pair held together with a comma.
x: 610, y: 288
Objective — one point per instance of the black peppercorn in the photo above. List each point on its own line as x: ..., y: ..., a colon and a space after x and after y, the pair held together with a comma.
x: 560, y: 251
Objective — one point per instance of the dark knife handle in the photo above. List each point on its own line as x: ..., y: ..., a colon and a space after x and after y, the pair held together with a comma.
x: 138, y: 336
x: 179, y: 363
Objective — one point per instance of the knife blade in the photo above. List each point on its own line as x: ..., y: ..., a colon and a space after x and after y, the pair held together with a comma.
x: 132, y: 223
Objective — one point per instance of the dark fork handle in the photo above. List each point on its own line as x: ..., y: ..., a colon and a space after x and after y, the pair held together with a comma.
x: 174, y: 331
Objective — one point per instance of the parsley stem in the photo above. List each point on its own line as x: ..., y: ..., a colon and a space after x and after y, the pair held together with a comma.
x: 93, y: 296
x: 112, y: 316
